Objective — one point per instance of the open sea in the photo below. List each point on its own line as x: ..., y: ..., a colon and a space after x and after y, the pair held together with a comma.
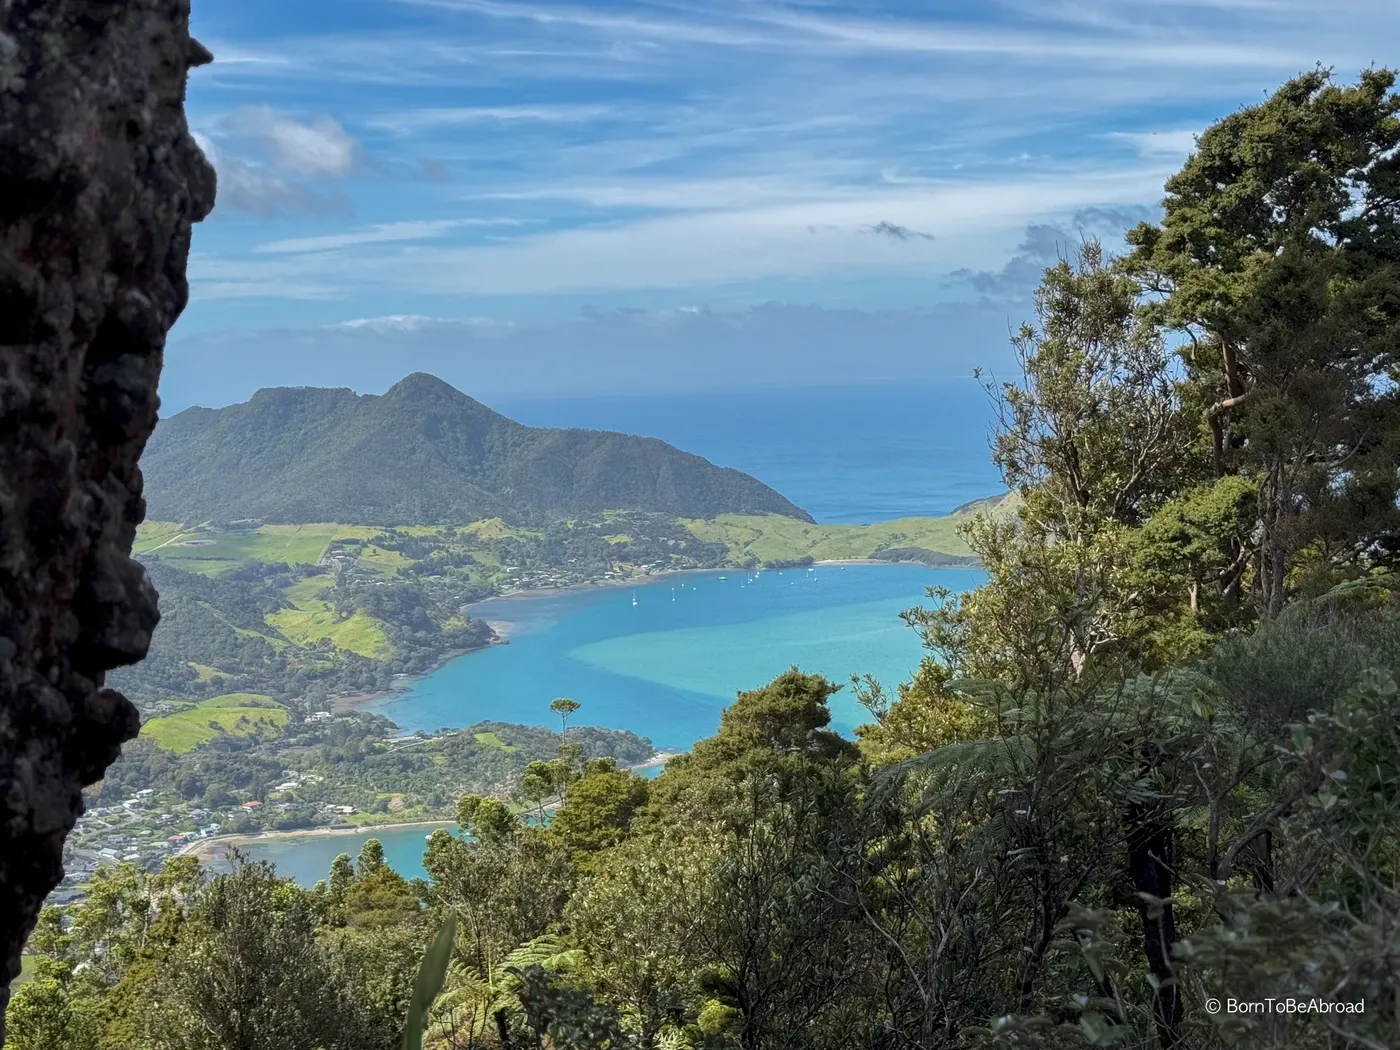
x: 664, y: 659
x: 850, y: 456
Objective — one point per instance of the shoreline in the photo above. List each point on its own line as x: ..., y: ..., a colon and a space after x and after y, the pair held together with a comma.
x: 205, y: 850
x: 208, y: 849
x: 658, y: 759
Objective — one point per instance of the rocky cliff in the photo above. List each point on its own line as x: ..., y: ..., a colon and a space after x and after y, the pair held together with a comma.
x: 100, y: 182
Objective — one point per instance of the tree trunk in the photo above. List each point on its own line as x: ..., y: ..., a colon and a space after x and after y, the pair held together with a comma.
x: 1150, y: 841
x: 503, y: 1029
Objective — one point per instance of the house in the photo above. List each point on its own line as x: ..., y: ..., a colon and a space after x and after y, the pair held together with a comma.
x: 251, y: 804
x: 176, y: 840
x: 145, y: 792
x: 318, y: 716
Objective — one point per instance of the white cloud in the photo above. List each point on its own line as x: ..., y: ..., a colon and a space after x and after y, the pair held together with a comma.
x: 254, y: 189
x: 401, y: 323
x: 774, y: 28
x: 414, y: 121
x: 210, y: 291
x: 1159, y: 143
x: 319, y: 149
x: 654, y: 144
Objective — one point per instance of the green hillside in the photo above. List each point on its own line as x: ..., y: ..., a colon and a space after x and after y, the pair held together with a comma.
x: 239, y: 714
x: 772, y: 538
x: 420, y: 453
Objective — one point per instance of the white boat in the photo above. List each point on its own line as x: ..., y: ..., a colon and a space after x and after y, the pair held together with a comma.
x: 634, y: 597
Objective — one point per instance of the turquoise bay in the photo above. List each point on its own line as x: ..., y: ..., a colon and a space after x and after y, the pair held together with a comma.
x: 664, y: 668
x: 665, y: 658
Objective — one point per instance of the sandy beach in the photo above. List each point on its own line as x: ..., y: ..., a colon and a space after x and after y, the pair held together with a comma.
x: 208, y: 849
x: 658, y: 759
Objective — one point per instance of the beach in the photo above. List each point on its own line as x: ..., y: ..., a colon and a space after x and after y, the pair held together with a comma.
x: 208, y: 849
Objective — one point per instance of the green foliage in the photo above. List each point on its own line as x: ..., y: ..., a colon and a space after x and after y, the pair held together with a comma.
x: 598, y: 808
x: 224, y: 634
x: 787, y: 717
x: 355, y: 760
x: 1278, y: 256
x: 429, y: 983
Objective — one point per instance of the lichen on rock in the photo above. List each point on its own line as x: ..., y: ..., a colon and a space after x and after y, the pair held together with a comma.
x: 100, y: 183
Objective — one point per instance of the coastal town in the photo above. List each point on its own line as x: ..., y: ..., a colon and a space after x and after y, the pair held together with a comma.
x: 348, y: 770
x: 148, y: 827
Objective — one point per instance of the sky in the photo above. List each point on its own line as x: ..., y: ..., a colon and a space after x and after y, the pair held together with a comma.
x: 626, y: 195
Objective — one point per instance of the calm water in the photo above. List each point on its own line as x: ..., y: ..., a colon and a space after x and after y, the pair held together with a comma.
x: 307, y: 858
x: 852, y: 456
x: 666, y: 666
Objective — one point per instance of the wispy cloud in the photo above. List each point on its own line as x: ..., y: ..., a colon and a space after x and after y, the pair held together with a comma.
x: 705, y: 248
x: 414, y: 121
x: 1159, y: 143
x: 384, y: 233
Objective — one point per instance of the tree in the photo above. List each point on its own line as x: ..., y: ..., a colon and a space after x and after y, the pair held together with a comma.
x: 226, y: 986
x: 598, y: 809
x: 1278, y: 259
x: 788, y: 717
x: 1093, y: 441
x: 564, y: 707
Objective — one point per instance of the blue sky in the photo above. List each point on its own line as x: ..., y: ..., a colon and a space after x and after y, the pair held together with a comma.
x: 636, y: 195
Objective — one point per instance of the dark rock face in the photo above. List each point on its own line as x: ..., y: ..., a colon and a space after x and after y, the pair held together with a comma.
x: 100, y: 182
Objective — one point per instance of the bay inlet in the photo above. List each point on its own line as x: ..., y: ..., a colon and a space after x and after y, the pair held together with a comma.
x: 664, y: 667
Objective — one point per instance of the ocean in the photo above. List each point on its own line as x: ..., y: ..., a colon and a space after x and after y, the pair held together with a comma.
x: 853, y: 456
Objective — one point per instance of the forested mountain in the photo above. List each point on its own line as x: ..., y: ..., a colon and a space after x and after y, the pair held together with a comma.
x: 421, y: 453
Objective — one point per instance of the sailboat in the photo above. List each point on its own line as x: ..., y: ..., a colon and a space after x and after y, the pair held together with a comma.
x: 634, y: 597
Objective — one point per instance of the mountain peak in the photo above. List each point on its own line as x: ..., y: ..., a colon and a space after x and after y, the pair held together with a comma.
x: 419, y: 383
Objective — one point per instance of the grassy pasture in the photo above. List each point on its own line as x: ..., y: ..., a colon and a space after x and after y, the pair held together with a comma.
x: 241, y: 714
